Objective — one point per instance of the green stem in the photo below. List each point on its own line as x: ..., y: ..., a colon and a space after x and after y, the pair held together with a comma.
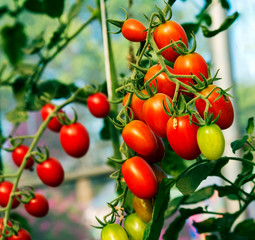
x: 239, y: 159
x: 252, y: 147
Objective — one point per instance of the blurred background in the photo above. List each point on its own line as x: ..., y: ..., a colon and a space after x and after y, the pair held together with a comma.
x: 87, y: 188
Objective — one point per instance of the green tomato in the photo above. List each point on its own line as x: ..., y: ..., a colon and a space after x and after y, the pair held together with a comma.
x: 134, y: 226
x: 113, y: 231
x: 211, y: 141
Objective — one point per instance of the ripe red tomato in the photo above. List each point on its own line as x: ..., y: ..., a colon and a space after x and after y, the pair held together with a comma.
x: 140, y: 177
x: 137, y: 105
x: 21, y: 235
x: 154, y: 113
x: 223, y: 106
x: 98, y: 105
x: 53, y: 124
x: 5, y: 191
x: 190, y: 64
x: 133, y: 30
x: 139, y: 137
x: 167, y: 32
x: 182, y: 137
x: 38, y: 206
x: 143, y: 208
x: 18, y: 155
x: 74, y: 139
x: 165, y: 85
x: 50, y: 172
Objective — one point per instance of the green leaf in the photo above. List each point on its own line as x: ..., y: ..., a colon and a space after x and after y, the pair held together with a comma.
x: 206, y: 226
x: 173, y: 206
x: 13, y: 40
x: 225, y: 4
x: 74, y: 10
x: 187, y: 212
x: 237, y: 144
x: 171, y: 2
x: 105, y: 130
x: 35, y: 6
x: 17, y: 115
x: 199, y: 195
x: 190, y: 28
x: 19, y: 90
x: 190, y: 180
x: 36, y: 45
x: 217, y: 166
x: 153, y: 228
x: 56, y: 37
x: 250, y: 126
x: 225, y: 25
x: 245, y: 228
x: 174, y: 228
x: 54, y: 8
x: 3, y: 10
x: 211, y: 237
x: 226, y: 190
x: 22, y: 221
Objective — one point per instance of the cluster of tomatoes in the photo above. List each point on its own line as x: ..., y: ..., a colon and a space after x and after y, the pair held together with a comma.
x: 155, y: 114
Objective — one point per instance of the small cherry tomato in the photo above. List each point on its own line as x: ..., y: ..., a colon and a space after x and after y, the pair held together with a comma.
x: 211, y: 141
x: 134, y: 226
x: 113, y: 231
x: 139, y: 137
x: 98, y: 105
x: 74, y: 139
x: 5, y: 191
x: 165, y: 84
x: 143, y: 208
x: 50, y: 172
x: 22, y: 234
x: 37, y: 206
x: 182, y: 137
x: 167, y: 32
x: 133, y: 30
x: 18, y: 156
x: 140, y: 177
x: 54, y: 125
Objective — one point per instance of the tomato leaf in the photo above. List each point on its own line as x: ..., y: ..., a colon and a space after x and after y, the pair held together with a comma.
x: 190, y: 180
x: 74, y: 10
x: 22, y: 221
x: 250, y: 126
x: 237, y: 144
x: 17, y: 115
x: 173, y: 206
x: 190, y: 28
x: 211, y: 237
x: 226, y: 190
x: 153, y: 228
x: 35, y: 6
x: 225, y: 4
x: 217, y: 166
x: 54, y: 8
x: 205, y: 226
x: 199, y: 195
x: 245, y: 228
x: 3, y: 10
x: 174, y: 228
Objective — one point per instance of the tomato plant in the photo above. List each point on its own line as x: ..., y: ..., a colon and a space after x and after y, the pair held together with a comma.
x: 218, y: 105
x: 98, y: 105
x: 50, y: 172
x: 139, y: 137
x: 143, y: 208
x: 113, y: 231
x: 22, y: 234
x: 38, y: 206
x: 133, y: 30
x: 140, y: 177
x: 54, y: 124
x: 74, y: 139
x: 18, y: 155
x: 167, y: 32
x: 211, y: 141
x: 159, y: 172
x: 134, y: 226
x: 5, y: 191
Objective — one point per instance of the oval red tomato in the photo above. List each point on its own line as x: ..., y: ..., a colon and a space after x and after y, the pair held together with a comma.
x: 22, y: 234
x: 165, y: 84
x: 140, y: 177
x: 37, y: 206
x: 139, y: 137
x: 53, y: 124
x: 74, y: 139
x: 18, y: 156
x: 154, y: 113
x: 167, y: 32
x: 182, y: 137
x: 133, y: 30
x: 222, y: 105
x: 50, y: 172
x: 5, y: 191
x: 98, y: 105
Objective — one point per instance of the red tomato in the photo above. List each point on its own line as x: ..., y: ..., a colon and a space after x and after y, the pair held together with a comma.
x: 140, y: 177
x: 98, y: 105
x: 139, y: 137
x: 53, y: 124
x: 182, y: 137
x: 124, y: 101
x: 21, y: 235
x: 223, y: 106
x: 137, y: 105
x: 154, y: 113
x: 165, y: 33
x: 74, y: 139
x: 133, y: 30
x: 5, y: 191
x: 165, y: 85
x: 159, y: 172
x: 190, y: 64
x: 18, y: 155
x: 38, y: 206
x: 50, y: 172
x: 158, y: 154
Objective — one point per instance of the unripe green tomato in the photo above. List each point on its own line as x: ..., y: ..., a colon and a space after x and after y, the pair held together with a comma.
x: 134, y: 226
x: 211, y: 141
x: 143, y: 208
x: 113, y: 231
